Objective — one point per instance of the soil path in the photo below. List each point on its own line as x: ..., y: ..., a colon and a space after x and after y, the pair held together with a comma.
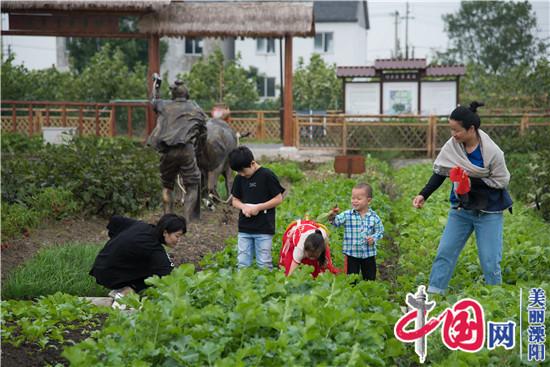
x: 206, y: 236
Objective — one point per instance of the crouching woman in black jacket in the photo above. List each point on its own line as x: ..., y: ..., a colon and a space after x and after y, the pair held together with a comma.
x: 135, y: 252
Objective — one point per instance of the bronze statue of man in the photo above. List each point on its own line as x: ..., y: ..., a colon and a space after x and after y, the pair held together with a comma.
x: 180, y: 131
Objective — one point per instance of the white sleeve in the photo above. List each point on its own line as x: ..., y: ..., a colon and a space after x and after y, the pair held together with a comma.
x: 298, y: 254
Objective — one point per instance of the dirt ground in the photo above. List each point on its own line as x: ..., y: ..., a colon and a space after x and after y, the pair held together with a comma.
x: 202, y: 237
x: 31, y: 355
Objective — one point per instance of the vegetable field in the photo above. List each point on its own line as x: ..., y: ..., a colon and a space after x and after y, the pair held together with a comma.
x: 223, y: 317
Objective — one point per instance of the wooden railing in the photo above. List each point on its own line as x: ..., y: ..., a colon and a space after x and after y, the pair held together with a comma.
x: 401, y: 133
x: 111, y: 119
x: 334, y: 131
x: 262, y: 125
x: 99, y: 119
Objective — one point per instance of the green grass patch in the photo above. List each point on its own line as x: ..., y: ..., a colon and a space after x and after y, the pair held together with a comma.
x: 60, y: 268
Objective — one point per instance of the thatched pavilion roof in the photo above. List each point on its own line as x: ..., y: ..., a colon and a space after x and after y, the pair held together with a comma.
x: 72, y: 5
x: 231, y: 19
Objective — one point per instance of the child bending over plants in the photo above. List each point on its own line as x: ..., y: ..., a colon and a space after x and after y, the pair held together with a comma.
x: 362, y: 231
x: 306, y: 242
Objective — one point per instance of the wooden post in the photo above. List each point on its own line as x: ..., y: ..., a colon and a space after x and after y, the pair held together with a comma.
x: 381, y: 95
x: 130, y: 127
x: 297, y: 131
x: 344, y: 94
x: 433, y: 128
x: 260, y: 132
x: 38, y: 121
x: 30, y: 121
x: 14, y: 118
x: 344, y: 137
x: 113, y: 120
x: 288, y: 122
x: 524, y: 125
x: 97, y: 132
x: 64, y: 116
x: 81, y: 121
x: 153, y: 51
x: 430, y: 138
x: 48, y: 116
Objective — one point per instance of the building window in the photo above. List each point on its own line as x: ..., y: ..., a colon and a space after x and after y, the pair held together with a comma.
x: 193, y: 46
x: 265, y: 45
x: 324, y: 42
x: 266, y: 87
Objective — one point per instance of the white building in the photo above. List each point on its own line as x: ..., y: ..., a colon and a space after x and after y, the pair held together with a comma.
x: 182, y: 54
x: 341, y: 38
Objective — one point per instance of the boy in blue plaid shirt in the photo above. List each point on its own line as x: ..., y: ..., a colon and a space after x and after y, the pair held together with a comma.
x: 362, y: 230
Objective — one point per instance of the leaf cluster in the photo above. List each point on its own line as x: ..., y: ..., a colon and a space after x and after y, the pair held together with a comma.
x: 316, y: 86
x: 134, y: 51
x: 495, y: 34
x: 522, y: 87
x: 227, y: 317
x: 45, y: 321
x: 105, y: 77
x: 249, y: 317
x: 103, y: 175
x: 214, y: 79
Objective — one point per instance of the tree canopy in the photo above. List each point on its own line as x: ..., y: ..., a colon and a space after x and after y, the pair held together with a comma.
x: 105, y: 77
x: 215, y: 79
x: 521, y: 87
x: 495, y: 34
x: 316, y: 85
x: 134, y: 50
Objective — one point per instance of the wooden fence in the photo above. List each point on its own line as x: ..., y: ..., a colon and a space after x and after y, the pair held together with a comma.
x: 112, y: 119
x: 262, y: 125
x: 401, y: 133
x: 99, y: 119
x: 334, y: 131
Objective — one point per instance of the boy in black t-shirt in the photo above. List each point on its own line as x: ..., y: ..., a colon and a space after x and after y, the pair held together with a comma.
x: 256, y: 192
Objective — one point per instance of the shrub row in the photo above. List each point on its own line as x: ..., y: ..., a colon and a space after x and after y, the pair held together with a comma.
x: 99, y: 176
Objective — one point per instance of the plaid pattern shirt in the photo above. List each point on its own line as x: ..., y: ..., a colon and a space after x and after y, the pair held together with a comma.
x: 357, y: 230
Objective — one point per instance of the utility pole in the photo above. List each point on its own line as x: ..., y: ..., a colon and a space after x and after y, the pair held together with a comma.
x: 396, y: 52
x: 407, y: 17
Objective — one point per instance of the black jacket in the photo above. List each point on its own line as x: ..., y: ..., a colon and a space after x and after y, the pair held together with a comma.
x: 134, y: 252
x: 481, y: 197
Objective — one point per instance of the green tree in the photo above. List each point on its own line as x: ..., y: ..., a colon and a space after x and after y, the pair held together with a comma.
x: 495, y: 34
x: 215, y: 79
x: 520, y: 87
x: 19, y: 83
x: 134, y: 50
x: 316, y: 86
x: 14, y: 81
x: 51, y: 85
x: 108, y: 77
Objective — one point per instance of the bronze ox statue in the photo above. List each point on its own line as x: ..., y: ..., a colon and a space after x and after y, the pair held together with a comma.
x: 194, y: 150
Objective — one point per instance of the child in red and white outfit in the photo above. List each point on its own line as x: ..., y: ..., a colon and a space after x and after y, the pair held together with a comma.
x: 306, y: 242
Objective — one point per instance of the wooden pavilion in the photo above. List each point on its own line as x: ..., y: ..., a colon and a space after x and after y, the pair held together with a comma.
x: 173, y: 18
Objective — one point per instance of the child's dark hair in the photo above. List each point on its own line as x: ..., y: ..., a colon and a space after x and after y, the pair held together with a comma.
x: 315, y: 244
x: 366, y: 187
x: 170, y: 223
x: 240, y: 158
x: 467, y: 117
